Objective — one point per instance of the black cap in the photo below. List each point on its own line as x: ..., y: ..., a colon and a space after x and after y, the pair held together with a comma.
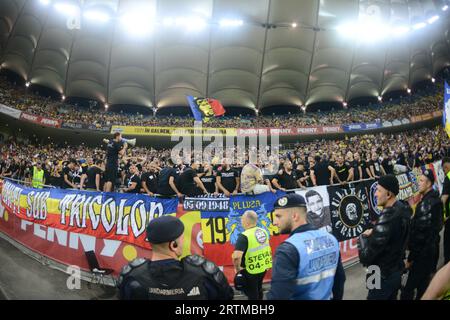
x: 164, y: 229
x: 390, y: 183
x: 429, y: 174
x: 290, y: 200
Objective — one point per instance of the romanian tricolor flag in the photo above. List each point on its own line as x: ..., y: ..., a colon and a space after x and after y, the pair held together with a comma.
x: 204, y: 108
x: 446, y: 113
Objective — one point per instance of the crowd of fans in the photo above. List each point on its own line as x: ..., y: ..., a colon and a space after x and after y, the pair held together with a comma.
x: 147, y: 170
x: 27, y: 101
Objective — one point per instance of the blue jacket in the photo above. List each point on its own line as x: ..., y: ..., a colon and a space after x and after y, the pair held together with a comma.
x: 288, y: 269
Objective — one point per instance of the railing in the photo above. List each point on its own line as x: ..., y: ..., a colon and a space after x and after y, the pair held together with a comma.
x: 27, y: 183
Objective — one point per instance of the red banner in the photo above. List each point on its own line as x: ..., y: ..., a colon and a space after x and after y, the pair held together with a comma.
x: 41, y: 120
x: 312, y: 130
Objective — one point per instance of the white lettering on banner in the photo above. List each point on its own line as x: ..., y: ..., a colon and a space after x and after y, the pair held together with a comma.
x: 71, y: 239
x: 406, y: 190
x: 331, y: 129
x: 29, y: 117
x: 79, y: 207
x: 307, y: 130
x: 37, y: 205
x: 49, y: 122
x: 11, y: 196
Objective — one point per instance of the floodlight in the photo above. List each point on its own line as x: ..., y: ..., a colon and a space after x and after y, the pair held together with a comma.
x: 66, y: 8
x: 433, y: 19
x: 97, y: 16
x: 230, y: 23
x: 419, y: 25
x: 400, y: 30
x: 137, y: 23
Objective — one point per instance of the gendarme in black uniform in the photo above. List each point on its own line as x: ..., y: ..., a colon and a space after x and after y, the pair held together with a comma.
x: 192, y: 278
x: 112, y: 160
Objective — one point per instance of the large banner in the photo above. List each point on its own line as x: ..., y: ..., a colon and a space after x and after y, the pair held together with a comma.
x: 221, y: 228
x: 169, y: 131
x: 40, y: 120
x: 104, y: 215
x: 350, y: 214
x: 77, y: 125
x: 10, y: 111
x: 362, y: 126
x: 446, y: 117
x: 318, y: 207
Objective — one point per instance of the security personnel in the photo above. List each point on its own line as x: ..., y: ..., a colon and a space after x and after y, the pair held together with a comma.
x: 445, y: 197
x: 164, y: 277
x: 304, y: 264
x: 254, y: 245
x: 385, y: 245
x: 423, y: 240
x: 38, y: 176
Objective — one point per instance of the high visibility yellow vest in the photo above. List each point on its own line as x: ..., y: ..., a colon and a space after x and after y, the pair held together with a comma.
x: 38, y: 178
x: 446, y: 295
x: 447, y: 210
x: 258, y: 257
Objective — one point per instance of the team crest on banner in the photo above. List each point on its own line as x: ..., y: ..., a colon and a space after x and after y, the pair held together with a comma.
x: 349, y: 211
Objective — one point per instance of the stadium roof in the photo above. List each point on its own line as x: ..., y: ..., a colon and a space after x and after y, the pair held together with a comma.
x: 252, y: 53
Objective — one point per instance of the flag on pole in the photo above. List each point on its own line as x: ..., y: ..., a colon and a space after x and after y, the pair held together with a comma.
x: 204, y: 108
x: 446, y: 113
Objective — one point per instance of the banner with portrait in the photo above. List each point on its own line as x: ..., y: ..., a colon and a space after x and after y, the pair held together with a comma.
x: 318, y: 206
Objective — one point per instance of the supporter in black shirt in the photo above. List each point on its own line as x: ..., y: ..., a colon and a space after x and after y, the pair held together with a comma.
x: 286, y: 178
x: 355, y: 162
x: 166, y: 181
x: 114, y: 149
x: 208, y: 179
x: 134, y: 183
x: 227, y: 180
x: 94, y: 176
x: 322, y: 173
x: 150, y: 180
x: 68, y: 173
x: 344, y: 172
x: 387, y: 164
x: 303, y: 176
x: 189, y: 183
x: 376, y: 170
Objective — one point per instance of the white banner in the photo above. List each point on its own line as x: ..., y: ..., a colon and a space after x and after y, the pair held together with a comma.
x: 10, y: 111
x: 318, y: 206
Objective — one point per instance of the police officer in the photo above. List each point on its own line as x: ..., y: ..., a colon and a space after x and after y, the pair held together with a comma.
x: 384, y: 245
x: 423, y: 240
x: 164, y: 277
x: 305, y: 263
x: 253, y: 245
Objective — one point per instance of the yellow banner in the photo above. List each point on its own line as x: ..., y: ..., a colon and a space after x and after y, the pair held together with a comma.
x: 173, y: 131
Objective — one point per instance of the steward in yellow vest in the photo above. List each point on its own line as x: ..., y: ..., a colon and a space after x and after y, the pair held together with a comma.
x: 38, y: 176
x: 252, y: 256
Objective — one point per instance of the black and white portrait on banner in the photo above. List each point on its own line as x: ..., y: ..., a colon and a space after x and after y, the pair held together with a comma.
x: 318, y: 207
x: 349, y: 206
